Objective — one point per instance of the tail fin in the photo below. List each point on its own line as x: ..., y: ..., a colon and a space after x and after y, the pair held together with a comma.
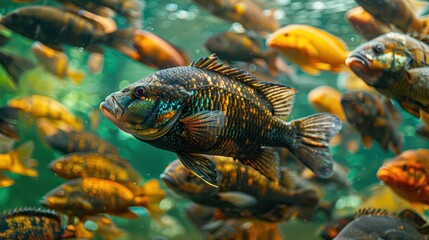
x: 311, y: 141
x: 75, y: 76
x: 9, y: 121
x: 149, y: 196
x: 23, y: 155
x: 122, y: 40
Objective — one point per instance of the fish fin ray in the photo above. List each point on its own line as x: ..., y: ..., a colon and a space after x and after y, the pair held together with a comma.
x: 201, y: 166
x: 311, y: 141
x: 266, y: 161
x: 276, y: 94
x: 362, y: 212
x: 23, y: 153
x: 204, y: 127
x: 238, y: 199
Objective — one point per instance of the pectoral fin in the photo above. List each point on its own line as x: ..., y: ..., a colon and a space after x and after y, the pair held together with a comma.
x: 238, y: 199
x: 201, y: 166
x: 85, y: 204
x: 204, y: 127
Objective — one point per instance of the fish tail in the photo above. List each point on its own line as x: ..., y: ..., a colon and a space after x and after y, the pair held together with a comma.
x: 9, y: 121
x: 310, y: 141
x: 75, y: 76
x: 149, y: 196
x: 24, y: 165
x: 122, y: 40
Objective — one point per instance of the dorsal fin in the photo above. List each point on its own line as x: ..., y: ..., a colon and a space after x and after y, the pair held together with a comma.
x: 371, y: 212
x: 35, y: 212
x: 280, y: 97
x: 413, y: 217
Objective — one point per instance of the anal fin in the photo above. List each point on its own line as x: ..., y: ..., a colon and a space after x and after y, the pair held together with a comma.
x: 201, y: 166
x: 266, y: 161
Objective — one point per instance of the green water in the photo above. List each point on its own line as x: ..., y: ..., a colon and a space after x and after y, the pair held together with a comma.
x: 184, y: 24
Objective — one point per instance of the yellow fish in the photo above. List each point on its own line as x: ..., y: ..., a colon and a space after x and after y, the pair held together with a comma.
x: 312, y: 49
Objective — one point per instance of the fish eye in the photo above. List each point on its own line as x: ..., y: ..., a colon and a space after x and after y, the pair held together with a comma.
x: 405, y: 167
x: 140, y: 91
x: 379, y: 48
x: 61, y: 194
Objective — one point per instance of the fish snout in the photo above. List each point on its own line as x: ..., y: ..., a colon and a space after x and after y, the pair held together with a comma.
x: 111, y: 107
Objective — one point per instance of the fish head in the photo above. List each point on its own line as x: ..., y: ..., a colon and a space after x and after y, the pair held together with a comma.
x: 62, y: 198
x: 380, y: 61
x: 284, y: 38
x: 404, y: 174
x: 69, y: 166
x: 145, y: 110
x: 185, y: 183
x: 20, y: 20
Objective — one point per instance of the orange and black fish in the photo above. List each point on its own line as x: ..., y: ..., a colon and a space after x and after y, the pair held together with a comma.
x: 71, y: 141
x: 365, y: 24
x: 156, y: 52
x: 331, y: 229
x: 45, y: 107
x: 90, y: 196
x: 9, y: 122
x: 402, y: 14
x: 374, y: 118
x: 15, y: 65
x: 55, y: 27
x: 242, y: 191
x: 33, y: 224
x: 211, y: 108
x: 373, y: 224
x: 246, y: 12
x: 56, y: 62
x: 395, y: 65
x: 232, y: 46
x: 82, y: 165
x: 407, y: 174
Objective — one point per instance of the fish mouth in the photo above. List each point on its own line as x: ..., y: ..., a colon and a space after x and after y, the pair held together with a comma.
x: 111, y: 107
x: 385, y: 175
x: 169, y: 180
x: 44, y: 202
x: 357, y: 61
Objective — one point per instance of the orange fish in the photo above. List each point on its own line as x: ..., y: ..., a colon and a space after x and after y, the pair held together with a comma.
x: 327, y: 99
x: 408, y: 175
x: 364, y: 24
x: 312, y: 49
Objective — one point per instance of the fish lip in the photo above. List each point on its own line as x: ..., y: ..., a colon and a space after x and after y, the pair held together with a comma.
x: 384, y: 174
x: 44, y: 202
x: 169, y: 180
x: 357, y: 58
x: 112, y: 107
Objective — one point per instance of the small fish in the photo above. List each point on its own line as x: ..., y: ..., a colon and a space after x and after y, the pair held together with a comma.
x: 246, y: 12
x: 46, y: 107
x: 82, y: 165
x: 18, y: 161
x: 89, y: 196
x: 9, y: 122
x: 156, y: 52
x: 402, y: 14
x: 33, y: 224
x: 407, y: 175
x: 242, y: 190
x: 241, y: 229
x: 214, y: 109
x: 332, y: 228
x: 132, y: 10
x: 395, y: 65
x: 55, y: 26
x: 327, y: 99
x: 365, y: 24
x: 56, y: 62
x: 231, y: 46
x: 375, y: 224
x: 71, y: 141
x: 15, y: 65
x: 374, y: 118
x: 312, y: 49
